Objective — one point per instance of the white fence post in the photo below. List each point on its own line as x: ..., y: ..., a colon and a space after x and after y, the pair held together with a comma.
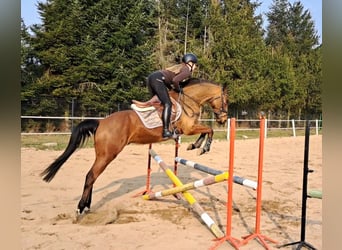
x: 228, y: 129
x: 316, y: 127
x: 265, y: 128
x: 293, y: 128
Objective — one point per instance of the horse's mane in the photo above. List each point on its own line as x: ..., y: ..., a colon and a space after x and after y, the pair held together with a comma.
x: 193, y: 81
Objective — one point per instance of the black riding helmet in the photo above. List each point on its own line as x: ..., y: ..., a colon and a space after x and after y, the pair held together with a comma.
x: 189, y: 57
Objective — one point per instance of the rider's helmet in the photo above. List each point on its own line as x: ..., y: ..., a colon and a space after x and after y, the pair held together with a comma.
x: 189, y: 57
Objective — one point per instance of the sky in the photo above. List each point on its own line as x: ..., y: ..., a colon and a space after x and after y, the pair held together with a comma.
x: 30, y: 15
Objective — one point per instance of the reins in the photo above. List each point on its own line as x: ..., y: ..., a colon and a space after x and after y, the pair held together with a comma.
x: 183, y: 103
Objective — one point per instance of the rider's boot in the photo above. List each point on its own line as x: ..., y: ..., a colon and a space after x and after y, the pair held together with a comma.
x: 166, y: 121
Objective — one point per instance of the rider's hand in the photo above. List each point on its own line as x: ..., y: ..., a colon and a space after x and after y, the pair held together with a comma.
x: 178, y: 90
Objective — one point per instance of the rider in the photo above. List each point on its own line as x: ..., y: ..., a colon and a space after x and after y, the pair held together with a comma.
x: 159, y: 82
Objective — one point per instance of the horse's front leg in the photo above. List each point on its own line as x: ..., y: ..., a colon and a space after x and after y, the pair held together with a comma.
x: 203, y: 130
x: 197, y: 143
x: 206, y: 147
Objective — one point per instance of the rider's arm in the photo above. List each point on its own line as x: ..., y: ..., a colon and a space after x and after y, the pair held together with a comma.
x: 183, y: 74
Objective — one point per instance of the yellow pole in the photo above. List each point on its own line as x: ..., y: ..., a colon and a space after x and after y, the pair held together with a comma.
x: 193, y: 185
x: 192, y: 201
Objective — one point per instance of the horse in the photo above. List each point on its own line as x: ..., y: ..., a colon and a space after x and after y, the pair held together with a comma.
x: 121, y: 128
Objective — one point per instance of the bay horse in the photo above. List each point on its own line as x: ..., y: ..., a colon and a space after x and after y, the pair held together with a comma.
x: 121, y: 128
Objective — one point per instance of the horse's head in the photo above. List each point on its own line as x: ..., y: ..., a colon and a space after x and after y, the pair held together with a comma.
x: 200, y: 91
x: 219, y: 106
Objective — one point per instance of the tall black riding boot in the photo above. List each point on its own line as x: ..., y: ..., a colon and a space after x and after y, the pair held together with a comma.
x: 166, y: 121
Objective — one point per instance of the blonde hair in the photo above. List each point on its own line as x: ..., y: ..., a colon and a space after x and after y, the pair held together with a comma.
x: 175, y: 68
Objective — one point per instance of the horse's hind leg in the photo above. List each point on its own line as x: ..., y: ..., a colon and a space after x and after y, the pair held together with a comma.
x: 98, y: 167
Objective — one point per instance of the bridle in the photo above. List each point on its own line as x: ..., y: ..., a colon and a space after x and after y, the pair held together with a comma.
x: 219, y: 112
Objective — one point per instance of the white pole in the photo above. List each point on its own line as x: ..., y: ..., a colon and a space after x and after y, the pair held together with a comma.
x: 228, y: 129
x: 265, y: 128
x: 316, y: 127
x: 293, y: 128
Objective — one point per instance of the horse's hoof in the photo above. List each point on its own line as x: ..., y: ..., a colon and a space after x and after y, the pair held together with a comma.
x: 202, y: 151
x: 79, y: 215
x: 190, y: 147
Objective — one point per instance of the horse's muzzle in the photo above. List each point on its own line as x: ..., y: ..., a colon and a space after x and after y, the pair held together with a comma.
x: 221, y: 118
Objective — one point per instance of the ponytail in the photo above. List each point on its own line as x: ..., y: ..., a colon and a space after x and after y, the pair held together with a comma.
x: 175, y: 68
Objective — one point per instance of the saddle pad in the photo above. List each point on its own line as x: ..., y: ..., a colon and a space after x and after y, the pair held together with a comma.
x: 151, y: 118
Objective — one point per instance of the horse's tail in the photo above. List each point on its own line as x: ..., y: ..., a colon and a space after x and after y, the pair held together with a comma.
x: 78, y: 136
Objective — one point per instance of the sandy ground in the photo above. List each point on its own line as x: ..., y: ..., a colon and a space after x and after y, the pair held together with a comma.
x: 121, y: 220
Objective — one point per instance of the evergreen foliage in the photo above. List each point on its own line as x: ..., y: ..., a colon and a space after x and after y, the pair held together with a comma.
x: 291, y: 35
x: 96, y: 54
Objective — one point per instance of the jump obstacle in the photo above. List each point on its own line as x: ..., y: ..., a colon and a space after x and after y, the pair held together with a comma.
x: 221, y: 237
x: 229, y: 208
x: 312, y: 194
x: 257, y: 234
x: 192, y: 185
x: 191, y: 200
x: 237, y: 179
x: 261, y: 238
x: 149, y: 170
x: 315, y: 194
x: 220, y: 176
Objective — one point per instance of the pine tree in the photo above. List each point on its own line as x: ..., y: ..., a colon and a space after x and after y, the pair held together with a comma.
x: 180, y: 26
x: 97, y: 54
x: 31, y: 70
x: 95, y: 51
x: 236, y: 51
x: 278, y: 26
x: 291, y: 34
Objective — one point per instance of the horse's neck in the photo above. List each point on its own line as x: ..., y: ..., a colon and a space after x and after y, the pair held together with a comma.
x: 199, y: 94
x: 193, y: 98
x: 187, y: 102
x: 195, y: 104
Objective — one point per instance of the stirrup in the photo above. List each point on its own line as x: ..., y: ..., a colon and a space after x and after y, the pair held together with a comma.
x: 167, y: 134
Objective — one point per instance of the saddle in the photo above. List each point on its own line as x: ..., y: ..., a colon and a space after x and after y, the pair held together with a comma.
x: 150, y: 112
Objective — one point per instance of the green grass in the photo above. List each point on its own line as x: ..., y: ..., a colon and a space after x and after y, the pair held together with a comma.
x: 61, y: 140
x: 39, y: 141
